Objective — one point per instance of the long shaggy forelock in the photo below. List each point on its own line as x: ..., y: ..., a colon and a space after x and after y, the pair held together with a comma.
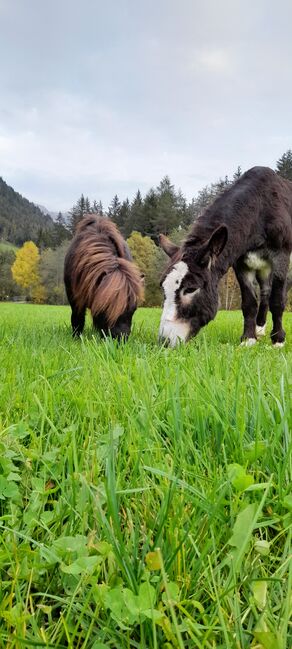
x: 102, y: 281
x: 119, y: 290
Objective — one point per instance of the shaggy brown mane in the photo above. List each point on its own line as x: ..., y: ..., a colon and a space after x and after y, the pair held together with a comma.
x: 103, y: 278
x: 102, y: 227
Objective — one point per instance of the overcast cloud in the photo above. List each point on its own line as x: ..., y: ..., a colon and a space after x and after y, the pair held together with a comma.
x: 105, y: 97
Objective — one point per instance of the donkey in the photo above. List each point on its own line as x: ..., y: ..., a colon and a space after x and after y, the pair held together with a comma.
x: 99, y: 274
x: 249, y: 228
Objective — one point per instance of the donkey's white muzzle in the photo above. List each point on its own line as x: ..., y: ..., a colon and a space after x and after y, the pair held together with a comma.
x: 174, y: 331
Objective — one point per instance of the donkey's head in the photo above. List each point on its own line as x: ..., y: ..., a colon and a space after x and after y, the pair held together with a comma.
x: 190, y: 286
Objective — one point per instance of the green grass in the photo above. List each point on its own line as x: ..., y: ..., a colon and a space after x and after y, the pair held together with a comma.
x: 145, y: 493
x: 5, y: 246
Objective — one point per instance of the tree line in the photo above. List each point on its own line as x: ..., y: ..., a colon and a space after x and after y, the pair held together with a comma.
x: 163, y: 209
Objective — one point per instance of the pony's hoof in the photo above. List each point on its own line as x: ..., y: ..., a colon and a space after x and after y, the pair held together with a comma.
x: 248, y: 342
x: 279, y: 344
x: 260, y: 331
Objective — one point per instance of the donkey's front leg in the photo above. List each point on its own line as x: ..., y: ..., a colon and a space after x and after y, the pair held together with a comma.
x: 249, y: 304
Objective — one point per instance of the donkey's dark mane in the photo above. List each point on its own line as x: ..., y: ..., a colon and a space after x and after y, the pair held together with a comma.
x: 260, y: 191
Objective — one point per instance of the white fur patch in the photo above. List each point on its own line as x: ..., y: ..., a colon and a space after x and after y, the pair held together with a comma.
x: 171, y: 327
x: 250, y: 276
x: 290, y: 268
x: 260, y: 331
x: 254, y: 262
x: 248, y: 342
x: 279, y: 344
x: 170, y: 285
x: 175, y: 332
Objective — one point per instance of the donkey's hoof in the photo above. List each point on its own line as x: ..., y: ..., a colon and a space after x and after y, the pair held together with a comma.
x: 248, y: 342
x: 261, y: 331
x: 279, y: 344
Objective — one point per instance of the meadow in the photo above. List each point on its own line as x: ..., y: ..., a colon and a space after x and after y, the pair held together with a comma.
x: 145, y: 492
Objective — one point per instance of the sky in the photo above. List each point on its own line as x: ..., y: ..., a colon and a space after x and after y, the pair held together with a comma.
x: 105, y: 97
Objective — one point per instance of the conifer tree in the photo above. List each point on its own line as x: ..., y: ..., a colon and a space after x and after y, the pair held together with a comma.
x: 87, y: 205
x: 77, y: 213
x: 284, y: 165
x: 124, y: 217
x: 114, y: 210
x: 149, y: 212
x: 97, y: 208
x: 167, y: 215
x: 134, y: 220
x: 237, y: 173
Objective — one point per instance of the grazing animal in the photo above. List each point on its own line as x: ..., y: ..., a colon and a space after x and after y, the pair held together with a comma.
x: 99, y: 274
x: 248, y: 227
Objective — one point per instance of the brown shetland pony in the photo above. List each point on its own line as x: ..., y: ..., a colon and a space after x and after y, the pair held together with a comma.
x: 99, y: 274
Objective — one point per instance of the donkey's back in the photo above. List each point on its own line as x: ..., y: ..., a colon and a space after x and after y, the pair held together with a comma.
x: 257, y: 210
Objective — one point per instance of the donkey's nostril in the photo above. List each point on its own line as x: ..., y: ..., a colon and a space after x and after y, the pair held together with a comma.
x: 163, y: 340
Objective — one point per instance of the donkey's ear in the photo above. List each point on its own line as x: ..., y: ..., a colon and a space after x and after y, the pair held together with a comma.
x: 218, y: 240
x: 167, y: 245
x: 213, y: 247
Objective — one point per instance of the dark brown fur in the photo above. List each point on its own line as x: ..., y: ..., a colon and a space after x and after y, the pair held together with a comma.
x: 100, y: 275
x: 254, y: 215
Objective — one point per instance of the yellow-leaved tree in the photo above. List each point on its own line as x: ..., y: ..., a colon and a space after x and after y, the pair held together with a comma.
x: 25, y: 269
x: 142, y: 250
x: 150, y: 259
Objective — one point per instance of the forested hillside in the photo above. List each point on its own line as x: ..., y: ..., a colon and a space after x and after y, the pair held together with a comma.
x: 163, y: 209
x: 21, y: 220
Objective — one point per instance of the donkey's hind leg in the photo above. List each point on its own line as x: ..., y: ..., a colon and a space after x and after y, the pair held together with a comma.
x: 77, y: 321
x: 278, y: 299
x: 265, y: 285
x: 249, y: 303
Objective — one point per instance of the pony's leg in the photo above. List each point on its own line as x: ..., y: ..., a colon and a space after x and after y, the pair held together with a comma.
x: 77, y: 321
x: 249, y: 304
x: 265, y: 291
x: 100, y: 323
x: 77, y: 315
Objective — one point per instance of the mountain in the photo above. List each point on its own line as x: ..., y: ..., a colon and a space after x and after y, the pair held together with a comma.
x: 53, y: 214
x: 21, y: 220
x: 45, y: 210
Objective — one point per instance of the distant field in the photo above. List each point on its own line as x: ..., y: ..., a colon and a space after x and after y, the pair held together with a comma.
x: 145, y: 493
x: 5, y: 245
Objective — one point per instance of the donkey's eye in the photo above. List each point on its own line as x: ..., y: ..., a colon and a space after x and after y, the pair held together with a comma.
x: 189, y: 293
x: 189, y: 289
